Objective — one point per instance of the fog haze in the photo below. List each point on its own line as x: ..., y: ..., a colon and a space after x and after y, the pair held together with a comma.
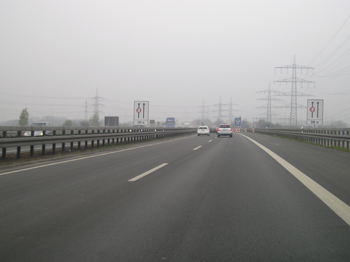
x: 178, y: 55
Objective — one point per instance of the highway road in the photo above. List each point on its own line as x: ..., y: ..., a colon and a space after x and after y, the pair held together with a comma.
x: 251, y: 197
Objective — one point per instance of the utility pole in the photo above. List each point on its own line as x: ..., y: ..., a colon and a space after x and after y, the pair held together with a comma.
x: 203, y: 112
x: 96, y: 105
x: 86, y: 110
x: 220, y: 110
x: 269, y: 99
x: 294, y: 93
x: 231, y: 118
x: 230, y: 112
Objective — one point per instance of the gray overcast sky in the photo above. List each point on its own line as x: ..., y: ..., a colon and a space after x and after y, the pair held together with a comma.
x: 178, y: 55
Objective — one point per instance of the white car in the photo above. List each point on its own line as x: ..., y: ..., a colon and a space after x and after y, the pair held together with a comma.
x: 224, y: 130
x: 39, y: 132
x: 203, y: 130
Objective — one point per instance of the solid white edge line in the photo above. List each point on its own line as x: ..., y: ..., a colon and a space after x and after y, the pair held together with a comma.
x: 197, y: 147
x: 334, y: 203
x: 147, y: 173
x: 82, y: 158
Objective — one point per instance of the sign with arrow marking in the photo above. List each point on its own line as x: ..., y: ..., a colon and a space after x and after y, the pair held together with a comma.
x: 141, y: 113
x: 315, y: 112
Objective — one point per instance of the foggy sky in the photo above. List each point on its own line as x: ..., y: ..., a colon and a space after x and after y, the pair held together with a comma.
x: 178, y: 55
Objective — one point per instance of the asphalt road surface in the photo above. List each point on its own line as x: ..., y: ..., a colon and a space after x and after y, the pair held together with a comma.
x: 183, y: 199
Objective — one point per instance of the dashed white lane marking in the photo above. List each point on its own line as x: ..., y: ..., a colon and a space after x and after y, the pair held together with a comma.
x: 147, y: 173
x: 210, y: 141
x: 334, y: 203
x: 197, y: 147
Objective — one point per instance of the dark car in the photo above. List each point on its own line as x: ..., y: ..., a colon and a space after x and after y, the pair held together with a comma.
x: 213, y: 129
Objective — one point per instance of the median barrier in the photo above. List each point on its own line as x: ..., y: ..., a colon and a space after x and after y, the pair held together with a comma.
x: 80, y: 137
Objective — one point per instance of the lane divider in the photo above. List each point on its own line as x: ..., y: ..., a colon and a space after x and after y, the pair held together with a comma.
x: 334, y: 203
x: 147, y: 173
x: 197, y: 147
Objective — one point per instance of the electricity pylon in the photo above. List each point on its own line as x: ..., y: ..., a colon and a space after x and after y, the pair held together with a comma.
x: 294, y: 93
x: 269, y: 99
x: 220, y: 109
x: 86, y: 110
x: 96, y: 104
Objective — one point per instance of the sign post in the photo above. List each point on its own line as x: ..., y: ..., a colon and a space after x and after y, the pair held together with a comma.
x: 141, y: 113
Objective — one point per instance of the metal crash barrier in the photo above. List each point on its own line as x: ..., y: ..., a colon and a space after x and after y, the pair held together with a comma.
x: 79, y: 137
x: 335, y: 137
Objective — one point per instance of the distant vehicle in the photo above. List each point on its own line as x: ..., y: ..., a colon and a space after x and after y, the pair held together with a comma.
x: 224, y: 130
x: 203, y: 130
x: 213, y: 129
x: 40, y: 132
x: 170, y: 122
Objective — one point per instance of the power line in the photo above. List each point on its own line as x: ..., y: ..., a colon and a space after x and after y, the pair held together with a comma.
x: 334, y: 52
x: 339, y: 60
x: 341, y: 27
x: 34, y: 96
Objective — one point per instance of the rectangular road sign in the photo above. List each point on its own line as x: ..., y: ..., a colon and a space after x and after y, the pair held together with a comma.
x: 141, y: 112
x: 315, y: 111
x: 111, y: 120
x: 237, y: 121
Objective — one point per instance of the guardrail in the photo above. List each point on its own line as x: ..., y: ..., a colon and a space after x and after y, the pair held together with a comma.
x: 75, y: 136
x: 336, y: 137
